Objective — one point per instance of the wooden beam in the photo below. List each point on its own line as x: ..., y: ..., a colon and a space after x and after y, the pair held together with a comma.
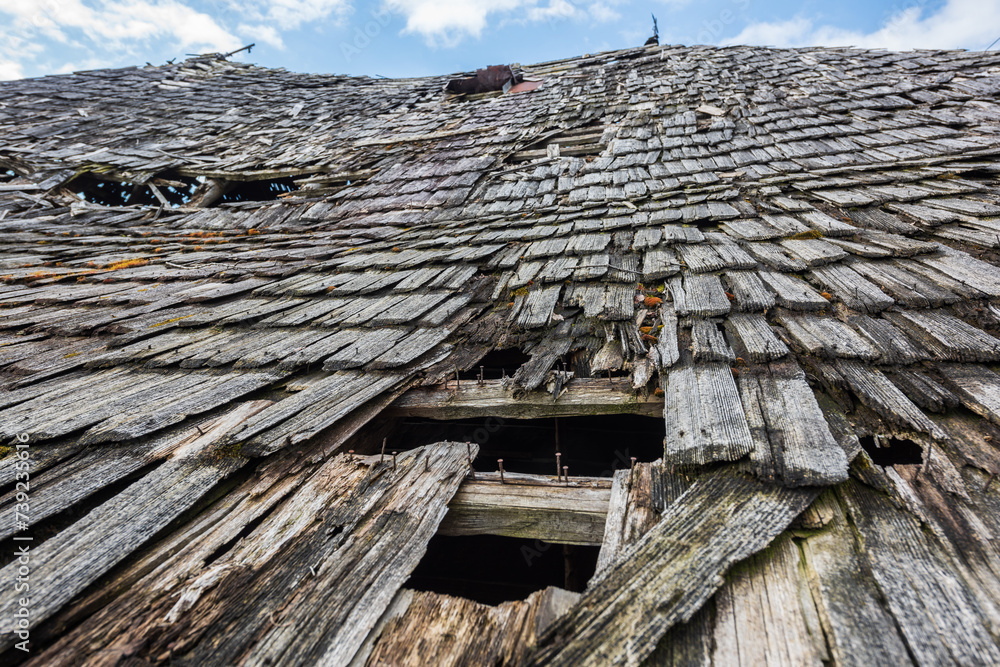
x: 535, y: 507
x: 492, y: 398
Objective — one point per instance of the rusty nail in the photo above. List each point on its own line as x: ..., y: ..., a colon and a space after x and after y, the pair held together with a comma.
x: 633, y: 463
x: 394, y: 460
x: 382, y: 456
x: 566, y: 474
x: 500, y: 463
x: 482, y: 375
x: 458, y: 380
x: 610, y: 381
x: 427, y: 464
x: 558, y: 461
x: 351, y: 452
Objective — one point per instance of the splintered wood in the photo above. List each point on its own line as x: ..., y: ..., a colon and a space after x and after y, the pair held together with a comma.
x: 343, y: 544
x: 667, y: 575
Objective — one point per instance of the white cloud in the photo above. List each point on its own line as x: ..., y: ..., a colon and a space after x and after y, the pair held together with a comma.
x: 112, y: 32
x: 959, y: 24
x: 119, y: 24
x: 264, y: 20
x: 448, y: 22
x: 10, y: 71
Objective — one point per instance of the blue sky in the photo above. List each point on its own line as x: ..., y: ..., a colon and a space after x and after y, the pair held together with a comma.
x: 398, y: 38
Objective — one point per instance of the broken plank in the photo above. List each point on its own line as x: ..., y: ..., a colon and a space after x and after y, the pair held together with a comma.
x: 668, y: 574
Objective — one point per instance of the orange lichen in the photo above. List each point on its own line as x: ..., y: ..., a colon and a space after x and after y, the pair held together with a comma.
x: 127, y: 264
x: 652, y: 301
x: 826, y: 295
x: 650, y: 339
x: 658, y: 392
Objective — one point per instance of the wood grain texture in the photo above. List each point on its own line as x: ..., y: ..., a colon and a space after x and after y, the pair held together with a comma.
x: 666, y: 576
x: 704, y: 416
x: 494, y: 398
x: 531, y: 507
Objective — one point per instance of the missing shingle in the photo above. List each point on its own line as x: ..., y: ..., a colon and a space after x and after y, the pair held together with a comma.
x: 493, y: 79
x: 172, y: 191
x: 259, y: 190
x: 887, y: 451
x: 491, y: 569
x: 585, y: 141
x: 590, y: 446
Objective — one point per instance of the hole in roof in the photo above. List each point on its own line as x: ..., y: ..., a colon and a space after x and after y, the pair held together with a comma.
x: 590, y: 446
x: 492, y: 79
x: 491, y: 569
x: 892, y: 451
x: 496, y: 365
x: 175, y: 190
x: 584, y: 141
x: 263, y: 190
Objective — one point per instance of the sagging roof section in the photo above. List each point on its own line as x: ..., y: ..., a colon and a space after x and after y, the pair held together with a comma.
x: 782, y: 254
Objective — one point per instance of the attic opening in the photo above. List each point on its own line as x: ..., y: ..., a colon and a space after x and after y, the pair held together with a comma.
x: 497, y: 365
x: 492, y: 79
x: 490, y: 569
x: 263, y: 190
x: 170, y: 191
x: 585, y: 141
x: 892, y: 451
x: 589, y: 446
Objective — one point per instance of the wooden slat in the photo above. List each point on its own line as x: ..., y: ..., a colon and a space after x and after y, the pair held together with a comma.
x: 704, y: 416
x: 531, y: 507
x: 666, y: 576
x: 492, y: 398
x: 792, y: 440
x: 930, y: 601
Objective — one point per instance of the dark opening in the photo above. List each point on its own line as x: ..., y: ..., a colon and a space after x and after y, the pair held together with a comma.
x: 584, y: 141
x: 491, y: 79
x: 176, y: 190
x: 497, y: 364
x: 491, y: 569
x: 7, y: 175
x: 266, y: 190
x: 893, y: 451
x: 593, y: 446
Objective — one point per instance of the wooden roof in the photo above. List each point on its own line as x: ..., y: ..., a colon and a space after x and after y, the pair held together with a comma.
x: 782, y: 251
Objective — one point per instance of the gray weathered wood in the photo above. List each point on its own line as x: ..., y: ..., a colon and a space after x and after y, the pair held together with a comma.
x: 669, y: 573
x: 494, y: 398
x: 530, y: 507
x: 704, y: 417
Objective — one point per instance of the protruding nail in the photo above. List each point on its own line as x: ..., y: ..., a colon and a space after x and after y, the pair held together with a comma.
x: 394, y: 460
x: 500, y: 463
x: 558, y: 468
x: 382, y: 457
x: 633, y: 463
x: 566, y: 474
